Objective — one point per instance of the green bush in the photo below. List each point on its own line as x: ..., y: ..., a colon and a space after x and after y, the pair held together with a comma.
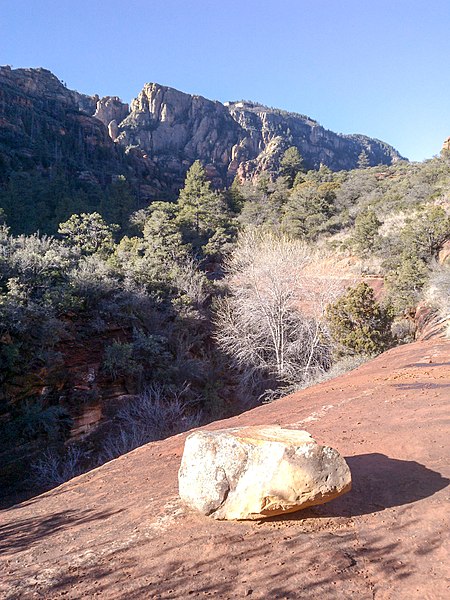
x: 358, y: 323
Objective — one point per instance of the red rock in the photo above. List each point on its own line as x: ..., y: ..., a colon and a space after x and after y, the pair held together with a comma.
x: 121, y: 531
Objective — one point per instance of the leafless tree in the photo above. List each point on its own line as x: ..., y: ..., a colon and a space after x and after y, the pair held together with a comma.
x: 271, y: 323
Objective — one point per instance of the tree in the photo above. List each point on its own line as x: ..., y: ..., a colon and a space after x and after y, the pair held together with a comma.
x: 260, y: 324
x: 291, y: 163
x: 308, y: 209
x: 358, y: 323
x: 363, y: 160
x: 200, y: 210
x: 424, y: 234
x: 162, y: 234
x: 119, y: 202
x: 405, y: 282
x: 89, y: 232
x: 365, y: 235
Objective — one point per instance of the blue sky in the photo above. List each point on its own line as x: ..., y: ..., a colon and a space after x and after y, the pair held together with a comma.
x: 376, y: 67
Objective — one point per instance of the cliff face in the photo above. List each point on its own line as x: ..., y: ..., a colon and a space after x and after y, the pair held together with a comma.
x: 46, y: 127
x: 241, y: 138
x: 154, y: 140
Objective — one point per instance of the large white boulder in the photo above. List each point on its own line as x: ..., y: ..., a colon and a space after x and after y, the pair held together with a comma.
x: 256, y: 472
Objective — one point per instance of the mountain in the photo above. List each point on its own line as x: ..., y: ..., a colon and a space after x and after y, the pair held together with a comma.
x: 44, y: 126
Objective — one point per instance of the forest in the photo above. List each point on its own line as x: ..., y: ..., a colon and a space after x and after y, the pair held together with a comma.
x: 204, y: 306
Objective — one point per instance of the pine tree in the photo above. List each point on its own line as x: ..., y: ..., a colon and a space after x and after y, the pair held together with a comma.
x: 200, y: 210
x: 291, y: 164
x: 358, y: 323
x: 365, y: 234
x: 89, y: 232
x: 363, y: 160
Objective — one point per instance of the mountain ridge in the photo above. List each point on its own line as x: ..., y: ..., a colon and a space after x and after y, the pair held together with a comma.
x: 161, y: 132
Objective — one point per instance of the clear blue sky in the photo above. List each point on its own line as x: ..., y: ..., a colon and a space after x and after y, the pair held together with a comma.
x: 378, y: 67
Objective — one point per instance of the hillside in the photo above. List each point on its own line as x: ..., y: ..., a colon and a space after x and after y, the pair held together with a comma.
x: 45, y: 126
x: 121, y: 532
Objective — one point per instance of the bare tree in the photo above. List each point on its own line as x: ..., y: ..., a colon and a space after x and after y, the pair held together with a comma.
x: 271, y: 323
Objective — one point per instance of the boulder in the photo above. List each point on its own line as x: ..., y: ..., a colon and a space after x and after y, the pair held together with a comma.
x: 256, y: 472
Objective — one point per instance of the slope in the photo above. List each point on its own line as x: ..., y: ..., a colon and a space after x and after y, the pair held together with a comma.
x: 121, y: 532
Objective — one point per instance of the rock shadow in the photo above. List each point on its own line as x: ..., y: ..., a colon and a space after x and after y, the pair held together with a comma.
x: 427, y: 365
x: 378, y: 482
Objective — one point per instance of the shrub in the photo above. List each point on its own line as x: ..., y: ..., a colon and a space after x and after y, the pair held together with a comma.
x: 119, y: 361
x: 404, y: 283
x: 437, y: 292
x: 358, y: 323
x: 158, y: 413
x: 365, y: 235
x: 54, y: 468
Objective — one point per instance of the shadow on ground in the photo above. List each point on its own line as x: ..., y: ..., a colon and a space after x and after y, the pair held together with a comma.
x: 23, y: 533
x: 378, y: 482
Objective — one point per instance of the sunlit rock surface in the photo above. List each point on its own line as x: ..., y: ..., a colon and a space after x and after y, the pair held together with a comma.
x: 256, y: 472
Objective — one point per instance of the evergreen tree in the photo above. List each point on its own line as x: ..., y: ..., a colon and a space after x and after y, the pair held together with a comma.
x: 358, y: 323
x: 200, y: 210
x: 363, y: 160
x: 424, y: 235
x: 309, y: 208
x: 365, y: 235
x: 89, y: 232
x: 405, y: 283
x: 162, y: 235
x: 291, y: 164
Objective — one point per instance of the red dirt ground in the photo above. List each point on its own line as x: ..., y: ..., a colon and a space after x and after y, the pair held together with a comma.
x: 120, y: 531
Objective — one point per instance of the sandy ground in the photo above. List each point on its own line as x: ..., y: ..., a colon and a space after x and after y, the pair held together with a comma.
x: 121, y: 531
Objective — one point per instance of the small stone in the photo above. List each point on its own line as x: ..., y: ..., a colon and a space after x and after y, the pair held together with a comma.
x: 256, y: 472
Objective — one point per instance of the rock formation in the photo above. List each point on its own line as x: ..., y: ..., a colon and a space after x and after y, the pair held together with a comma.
x: 46, y: 127
x: 244, y: 138
x: 157, y: 138
x: 256, y: 472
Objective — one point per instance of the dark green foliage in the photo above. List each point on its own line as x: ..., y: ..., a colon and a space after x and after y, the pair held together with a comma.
x: 365, y: 237
x: 32, y: 201
x: 417, y: 244
x: 358, y: 323
x: 235, y: 196
x: 309, y: 209
x: 424, y: 234
x: 89, y: 233
x: 406, y: 281
x: 129, y: 360
x: 363, y: 160
x: 201, y: 211
x: 291, y: 164
x: 33, y: 420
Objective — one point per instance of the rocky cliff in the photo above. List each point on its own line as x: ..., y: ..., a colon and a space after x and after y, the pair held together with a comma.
x: 44, y: 125
x: 244, y: 138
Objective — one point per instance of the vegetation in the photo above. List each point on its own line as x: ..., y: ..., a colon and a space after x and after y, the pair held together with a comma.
x: 209, y: 303
x: 260, y: 325
x: 359, y: 324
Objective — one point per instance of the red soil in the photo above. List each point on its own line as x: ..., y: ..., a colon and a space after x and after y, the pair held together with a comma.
x: 120, y: 531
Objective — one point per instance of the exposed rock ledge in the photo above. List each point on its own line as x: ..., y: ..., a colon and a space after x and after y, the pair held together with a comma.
x: 122, y: 532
